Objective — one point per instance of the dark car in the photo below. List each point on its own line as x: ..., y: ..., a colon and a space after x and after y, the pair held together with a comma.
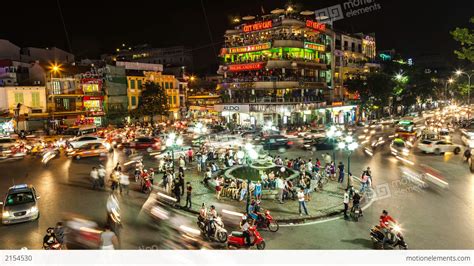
x: 276, y: 142
x: 319, y: 144
x: 144, y: 143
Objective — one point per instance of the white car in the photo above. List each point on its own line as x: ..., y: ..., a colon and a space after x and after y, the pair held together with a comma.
x: 312, y: 134
x: 79, y: 141
x: 438, y: 146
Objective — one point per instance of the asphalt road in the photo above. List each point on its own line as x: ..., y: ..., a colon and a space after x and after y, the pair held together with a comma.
x: 432, y: 217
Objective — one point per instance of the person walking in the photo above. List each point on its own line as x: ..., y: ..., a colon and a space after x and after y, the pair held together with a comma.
x: 177, y: 190
x: 346, y: 203
x: 95, y: 178
x: 124, y: 183
x: 258, y: 190
x: 114, y: 180
x: 219, y: 184
x: 280, y: 186
x: 189, y: 190
x: 243, y: 190
x: 181, y: 182
x: 301, y: 202
x: 108, y: 239
x: 190, y: 155
x: 340, y: 169
x: 102, y: 174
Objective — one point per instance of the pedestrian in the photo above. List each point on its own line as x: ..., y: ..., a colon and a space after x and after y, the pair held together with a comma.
x: 207, y: 176
x: 124, y: 182
x: 243, y: 191
x: 327, y: 159
x: 59, y: 233
x: 307, y: 189
x: 189, y: 190
x: 181, y: 182
x: 190, y: 155
x: 364, y: 182
x: 346, y: 203
x: 332, y: 169
x: 340, y: 168
x: 102, y: 174
x: 95, y: 178
x: 219, y: 181
x: 258, y: 190
x: 199, y: 161
x: 280, y: 186
x: 177, y: 190
x: 182, y: 164
x: 114, y: 180
x: 108, y: 239
x: 301, y: 202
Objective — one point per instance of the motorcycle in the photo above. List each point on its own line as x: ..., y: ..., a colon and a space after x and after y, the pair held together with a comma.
x: 237, y: 239
x: 49, y: 155
x: 356, y: 213
x: 113, y: 215
x: 146, y: 185
x: 266, y: 221
x: 396, y: 240
x: 220, y: 233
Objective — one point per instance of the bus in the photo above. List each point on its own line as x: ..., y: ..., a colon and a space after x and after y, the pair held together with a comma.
x: 406, y: 130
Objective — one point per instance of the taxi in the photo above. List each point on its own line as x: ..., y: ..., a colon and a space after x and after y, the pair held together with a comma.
x: 20, y: 205
x: 89, y: 150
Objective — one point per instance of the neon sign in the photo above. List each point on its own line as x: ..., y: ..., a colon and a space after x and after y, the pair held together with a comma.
x: 258, y: 26
x: 250, y: 48
x: 246, y: 67
x: 315, y: 25
x: 314, y: 46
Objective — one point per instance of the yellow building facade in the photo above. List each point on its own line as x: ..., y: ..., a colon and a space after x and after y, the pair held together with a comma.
x: 169, y: 83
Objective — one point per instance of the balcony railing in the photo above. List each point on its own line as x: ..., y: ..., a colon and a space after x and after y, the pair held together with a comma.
x: 273, y: 79
x: 273, y: 99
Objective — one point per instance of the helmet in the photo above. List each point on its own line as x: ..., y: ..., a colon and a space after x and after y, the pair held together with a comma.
x: 146, y: 171
x: 151, y: 170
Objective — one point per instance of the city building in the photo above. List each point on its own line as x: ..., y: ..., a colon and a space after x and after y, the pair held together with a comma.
x: 24, y: 107
x: 277, y: 69
x: 354, y: 56
x: 177, y: 60
x: 202, y: 105
x: 64, y: 100
x: 116, y: 98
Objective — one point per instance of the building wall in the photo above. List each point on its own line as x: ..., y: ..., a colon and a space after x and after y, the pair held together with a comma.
x: 8, y: 50
x: 30, y: 97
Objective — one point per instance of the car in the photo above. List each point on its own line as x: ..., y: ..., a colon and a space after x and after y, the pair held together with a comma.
x: 400, y: 147
x: 276, y: 142
x: 80, y: 130
x: 144, y: 143
x: 80, y: 141
x: 387, y: 121
x: 20, y: 205
x: 313, y: 133
x: 438, y: 146
x: 319, y: 144
x: 89, y: 150
x: 7, y: 143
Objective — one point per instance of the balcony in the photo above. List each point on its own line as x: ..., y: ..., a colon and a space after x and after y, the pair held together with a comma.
x: 274, y: 82
x: 273, y: 100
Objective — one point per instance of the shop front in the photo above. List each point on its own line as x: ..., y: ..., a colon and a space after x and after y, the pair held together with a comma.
x: 94, y: 108
x: 340, y: 114
x: 235, y: 113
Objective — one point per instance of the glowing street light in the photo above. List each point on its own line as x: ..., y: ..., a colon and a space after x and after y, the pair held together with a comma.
x: 173, y: 142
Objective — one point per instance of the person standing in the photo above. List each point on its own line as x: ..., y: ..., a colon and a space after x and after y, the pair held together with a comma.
x: 280, y: 186
x: 182, y: 164
x: 181, y: 182
x: 177, y: 190
x: 124, y: 182
x: 190, y: 155
x: 114, y: 180
x: 301, y: 202
x: 258, y: 190
x: 346, y: 203
x: 340, y: 169
x: 189, y: 190
x: 199, y: 161
x: 108, y: 239
x: 95, y: 178
x: 243, y: 190
x: 102, y: 174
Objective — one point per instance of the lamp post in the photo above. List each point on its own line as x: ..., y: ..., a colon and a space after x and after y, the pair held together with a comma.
x: 173, y: 142
x: 333, y: 133
x: 459, y: 73
x: 349, y: 145
x: 449, y: 81
x: 252, y: 155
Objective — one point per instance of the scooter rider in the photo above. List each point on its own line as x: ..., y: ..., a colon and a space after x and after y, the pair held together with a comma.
x: 211, y: 216
x: 385, y: 219
x: 49, y: 239
x: 356, y: 202
x: 244, y: 225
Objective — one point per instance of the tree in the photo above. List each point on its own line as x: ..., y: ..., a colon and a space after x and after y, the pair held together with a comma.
x: 153, y: 101
x: 465, y: 37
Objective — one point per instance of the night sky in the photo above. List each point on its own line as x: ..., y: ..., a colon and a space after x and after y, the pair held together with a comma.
x: 412, y: 27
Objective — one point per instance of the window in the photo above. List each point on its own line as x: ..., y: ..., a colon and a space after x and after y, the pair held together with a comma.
x: 174, y: 100
x: 169, y: 100
x: 35, y: 99
x: 56, y: 86
x: 134, y: 101
x: 19, y: 97
x: 139, y: 83
x: 171, y: 85
x: 166, y: 85
x: 359, y: 48
x: 345, y: 45
x: 132, y: 84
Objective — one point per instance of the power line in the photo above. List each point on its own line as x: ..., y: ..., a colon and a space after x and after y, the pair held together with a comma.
x: 209, y: 29
x: 64, y: 26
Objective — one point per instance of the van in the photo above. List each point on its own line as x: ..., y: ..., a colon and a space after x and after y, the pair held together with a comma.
x: 80, y: 130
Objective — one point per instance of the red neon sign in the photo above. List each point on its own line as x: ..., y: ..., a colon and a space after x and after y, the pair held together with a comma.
x: 315, y: 25
x: 258, y: 26
x: 246, y: 67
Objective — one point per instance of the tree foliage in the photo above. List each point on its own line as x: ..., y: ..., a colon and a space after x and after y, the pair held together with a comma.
x: 153, y: 101
x: 465, y: 37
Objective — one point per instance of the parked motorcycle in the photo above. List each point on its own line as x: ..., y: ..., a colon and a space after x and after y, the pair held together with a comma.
x: 220, y: 233
x: 237, y: 239
x: 396, y: 241
x: 356, y: 213
x: 266, y: 221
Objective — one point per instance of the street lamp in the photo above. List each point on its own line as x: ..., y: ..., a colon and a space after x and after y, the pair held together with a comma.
x: 333, y: 133
x: 459, y: 73
x: 348, y: 144
x: 173, y: 142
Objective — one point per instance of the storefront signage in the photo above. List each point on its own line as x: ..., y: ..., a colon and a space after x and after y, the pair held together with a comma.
x: 258, y: 26
x: 283, y: 109
x: 237, y: 108
x: 246, y: 67
x: 337, y: 104
x: 314, y: 46
x: 250, y: 48
x: 93, y: 98
x: 315, y: 25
